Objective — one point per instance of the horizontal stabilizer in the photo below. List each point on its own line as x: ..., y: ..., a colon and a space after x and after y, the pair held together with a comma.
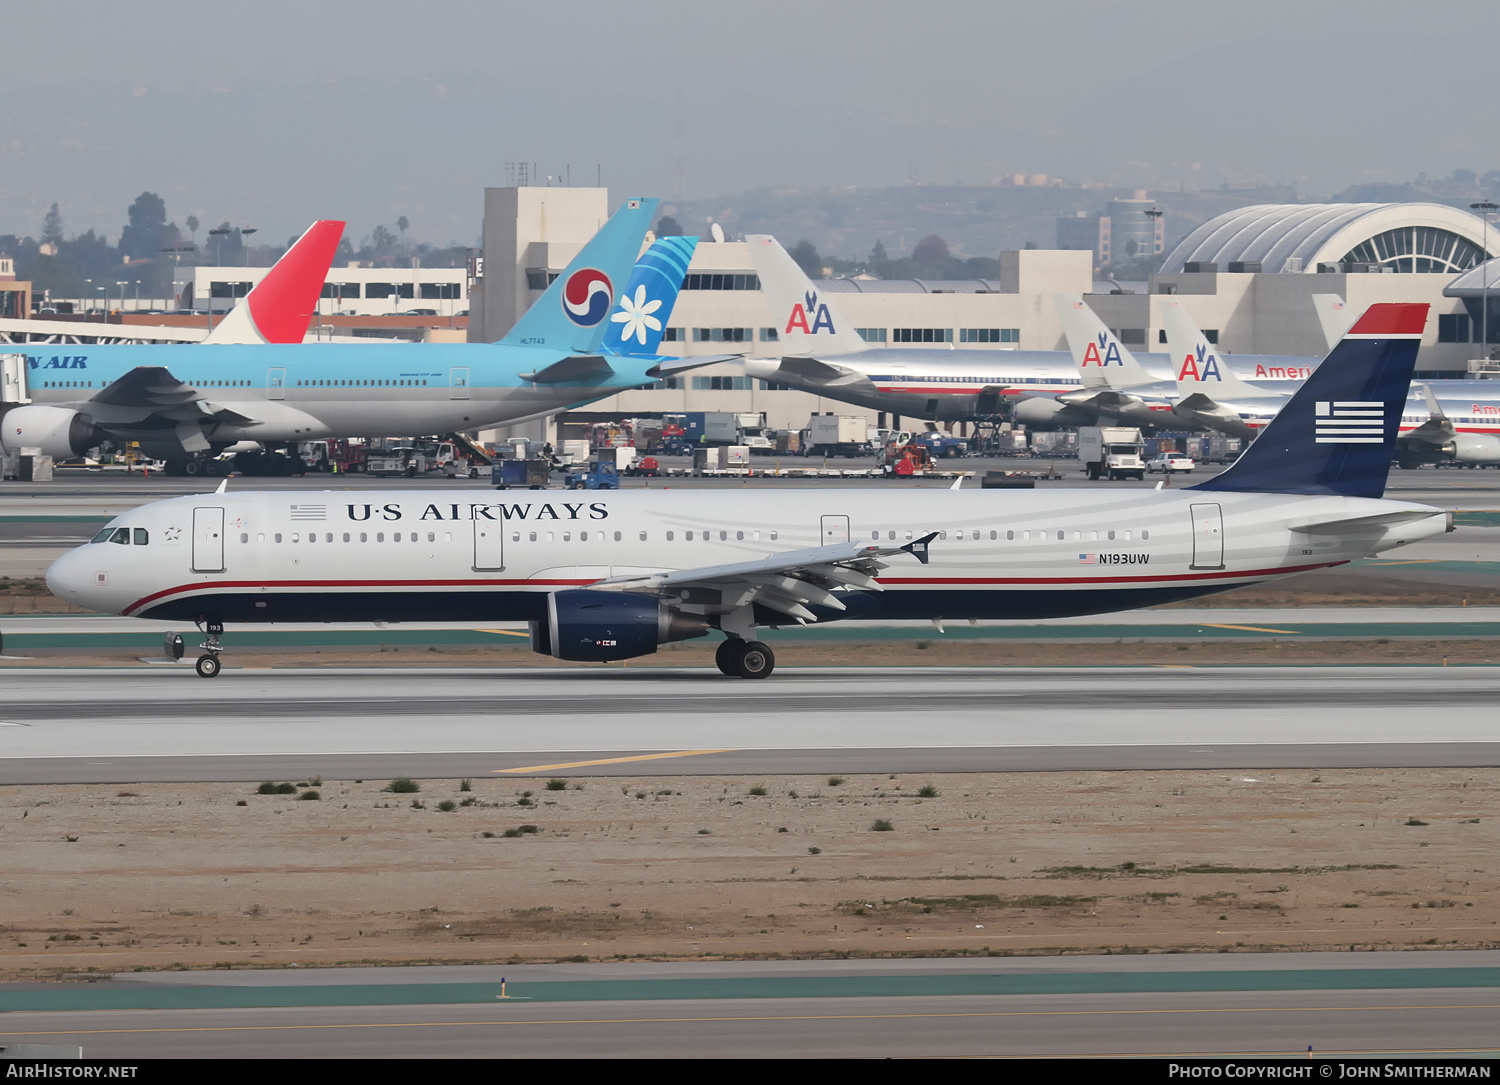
x: 580, y: 367
x: 1356, y: 524
x: 669, y: 367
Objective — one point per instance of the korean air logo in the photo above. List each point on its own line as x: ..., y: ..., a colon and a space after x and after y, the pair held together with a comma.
x: 587, y: 296
x: 809, y: 316
x: 1200, y: 366
x: 1103, y: 351
x: 1349, y: 422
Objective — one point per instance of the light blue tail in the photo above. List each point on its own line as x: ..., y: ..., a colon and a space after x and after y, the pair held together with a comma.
x: 570, y: 315
x: 640, y: 316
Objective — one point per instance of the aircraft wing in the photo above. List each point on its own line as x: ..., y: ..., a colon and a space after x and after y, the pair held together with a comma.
x: 1438, y: 429
x: 786, y: 583
x: 148, y: 400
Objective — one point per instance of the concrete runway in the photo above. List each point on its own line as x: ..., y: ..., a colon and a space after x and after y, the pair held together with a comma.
x: 167, y: 724
x: 1367, y: 1004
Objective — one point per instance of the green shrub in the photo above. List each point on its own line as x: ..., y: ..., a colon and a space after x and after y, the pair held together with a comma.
x: 511, y: 833
x: 835, y: 781
x: 447, y: 806
x: 466, y: 784
x: 880, y: 825
x: 402, y: 785
x: 311, y: 796
x: 927, y: 791
x: 266, y: 788
x: 814, y: 851
x: 557, y: 785
x: 758, y: 789
x: 286, y: 789
x: 529, y: 829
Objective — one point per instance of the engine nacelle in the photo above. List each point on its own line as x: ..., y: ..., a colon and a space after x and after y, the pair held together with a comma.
x: 1037, y: 411
x: 1474, y: 448
x: 60, y: 432
x: 591, y: 626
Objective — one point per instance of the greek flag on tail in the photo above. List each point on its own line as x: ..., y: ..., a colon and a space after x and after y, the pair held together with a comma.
x: 640, y: 316
x: 1337, y: 434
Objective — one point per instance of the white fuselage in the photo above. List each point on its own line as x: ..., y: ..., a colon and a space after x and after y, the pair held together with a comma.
x: 437, y: 555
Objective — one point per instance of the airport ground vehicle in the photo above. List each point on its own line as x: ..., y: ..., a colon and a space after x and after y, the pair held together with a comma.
x: 531, y: 474
x: 1112, y: 452
x: 836, y: 435
x: 1171, y: 463
x: 597, y: 476
x: 613, y: 576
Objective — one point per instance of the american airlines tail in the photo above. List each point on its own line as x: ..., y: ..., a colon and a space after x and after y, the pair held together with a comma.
x: 1196, y: 365
x: 1103, y: 362
x: 806, y: 323
x: 1337, y: 434
x: 279, y: 307
x: 570, y: 315
x: 640, y: 316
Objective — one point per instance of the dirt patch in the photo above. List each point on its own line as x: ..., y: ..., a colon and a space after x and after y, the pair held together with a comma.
x: 111, y: 878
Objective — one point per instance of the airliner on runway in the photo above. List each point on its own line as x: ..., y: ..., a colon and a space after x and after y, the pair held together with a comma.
x: 614, y: 575
x: 183, y: 403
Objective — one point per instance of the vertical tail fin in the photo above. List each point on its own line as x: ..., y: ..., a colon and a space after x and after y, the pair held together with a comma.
x: 1337, y: 434
x: 806, y: 323
x: 279, y: 307
x: 1334, y: 318
x: 569, y: 316
x: 1196, y: 365
x: 640, y: 317
x: 1102, y: 361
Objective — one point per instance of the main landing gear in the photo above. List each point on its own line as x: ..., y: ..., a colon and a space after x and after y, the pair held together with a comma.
x: 208, y: 665
x: 745, y: 659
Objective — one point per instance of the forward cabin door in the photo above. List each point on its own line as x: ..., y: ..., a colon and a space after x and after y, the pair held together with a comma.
x: 835, y: 530
x: 1208, y: 537
x: 489, y: 550
x: 276, y: 384
x: 458, y: 382
x: 208, y: 540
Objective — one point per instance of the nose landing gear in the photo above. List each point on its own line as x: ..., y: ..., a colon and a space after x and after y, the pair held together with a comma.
x: 208, y: 665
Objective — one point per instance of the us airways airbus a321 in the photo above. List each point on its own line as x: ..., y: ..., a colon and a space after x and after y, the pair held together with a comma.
x: 614, y: 576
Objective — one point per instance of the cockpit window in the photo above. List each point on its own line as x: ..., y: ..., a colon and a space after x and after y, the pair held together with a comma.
x: 121, y: 536
x: 103, y: 535
x: 141, y: 537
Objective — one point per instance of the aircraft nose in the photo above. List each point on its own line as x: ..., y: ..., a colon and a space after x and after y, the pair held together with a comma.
x: 71, y: 577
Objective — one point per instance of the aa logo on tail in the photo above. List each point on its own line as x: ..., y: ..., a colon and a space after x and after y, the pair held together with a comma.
x: 1102, y: 352
x: 1200, y: 366
x: 809, y: 309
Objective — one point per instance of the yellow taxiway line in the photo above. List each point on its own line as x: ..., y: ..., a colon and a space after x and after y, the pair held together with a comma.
x: 612, y: 761
x: 1249, y: 628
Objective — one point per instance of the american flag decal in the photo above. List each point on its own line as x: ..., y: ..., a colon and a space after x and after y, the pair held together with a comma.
x: 309, y: 512
x: 1349, y: 422
x: 1088, y: 559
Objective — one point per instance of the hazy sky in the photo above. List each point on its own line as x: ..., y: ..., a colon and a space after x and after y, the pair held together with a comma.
x: 274, y: 113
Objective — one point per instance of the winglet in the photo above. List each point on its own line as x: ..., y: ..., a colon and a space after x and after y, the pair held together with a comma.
x: 918, y: 549
x: 279, y: 307
x: 223, y: 486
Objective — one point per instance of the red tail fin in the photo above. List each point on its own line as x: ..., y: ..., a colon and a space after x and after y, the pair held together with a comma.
x: 279, y: 307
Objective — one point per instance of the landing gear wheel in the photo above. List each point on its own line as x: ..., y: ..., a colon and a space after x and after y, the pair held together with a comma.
x: 754, y: 660
x: 208, y: 666
x: 726, y: 656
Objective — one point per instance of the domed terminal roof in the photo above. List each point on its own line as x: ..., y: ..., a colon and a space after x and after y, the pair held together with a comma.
x: 1293, y: 237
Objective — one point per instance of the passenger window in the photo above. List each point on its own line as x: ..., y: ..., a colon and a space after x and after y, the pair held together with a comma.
x: 1093, y: 536
x: 515, y: 536
x: 669, y: 536
x: 533, y: 536
x: 976, y: 535
x: 278, y: 536
x: 121, y: 536
x: 296, y: 537
x: 328, y: 537
x: 723, y: 536
x: 1026, y: 536
x: 643, y: 536
x: 1061, y: 535
x: 141, y: 538
x: 346, y: 536
x: 994, y: 535
x: 583, y: 536
x: 1010, y: 536
x: 773, y: 536
x: 1077, y: 535
x: 617, y: 536
x: 1145, y: 535
x: 755, y: 535
x: 413, y: 536
x: 244, y: 536
x: 380, y: 536
x: 689, y: 536
x: 312, y: 537
x: 874, y: 534
x: 567, y: 536
x: 432, y: 536
x: 261, y: 537
x: 364, y: 537
x: 1111, y: 535
x: 1127, y: 535
x: 549, y: 536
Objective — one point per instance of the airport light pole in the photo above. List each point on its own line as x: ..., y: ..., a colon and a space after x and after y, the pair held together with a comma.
x: 218, y: 236
x: 1487, y: 207
x: 244, y: 233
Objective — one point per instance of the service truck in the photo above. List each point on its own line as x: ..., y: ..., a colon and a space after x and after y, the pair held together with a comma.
x: 1112, y: 452
x: 836, y: 435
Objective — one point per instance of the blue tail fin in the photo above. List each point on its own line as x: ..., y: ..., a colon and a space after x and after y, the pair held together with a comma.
x: 570, y: 315
x: 1337, y: 434
x: 640, y: 316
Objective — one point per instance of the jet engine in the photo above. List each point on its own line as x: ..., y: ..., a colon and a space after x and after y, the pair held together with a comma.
x: 60, y: 432
x: 593, y: 626
x: 1474, y: 448
x: 1037, y: 411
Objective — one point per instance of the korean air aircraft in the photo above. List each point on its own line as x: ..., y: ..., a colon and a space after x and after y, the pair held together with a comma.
x: 614, y: 575
x: 821, y: 353
x: 186, y: 403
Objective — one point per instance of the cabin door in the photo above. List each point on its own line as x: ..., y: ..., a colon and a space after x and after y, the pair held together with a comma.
x: 835, y: 530
x: 489, y: 550
x: 458, y: 382
x: 276, y: 384
x: 208, y: 540
x: 1208, y: 537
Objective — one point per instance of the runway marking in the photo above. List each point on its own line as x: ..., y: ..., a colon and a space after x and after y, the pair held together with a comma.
x: 503, y: 632
x: 1413, y: 561
x: 731, y: 1020
x: 613, y: 760
x: 1250, y: 628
